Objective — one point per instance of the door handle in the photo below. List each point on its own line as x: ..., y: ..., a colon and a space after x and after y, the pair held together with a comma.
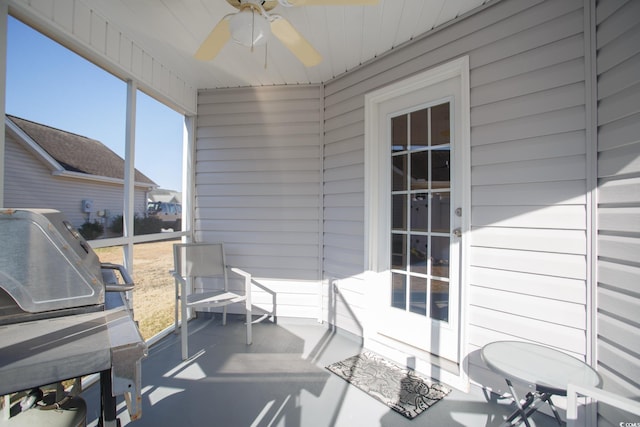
x: 457, y: 232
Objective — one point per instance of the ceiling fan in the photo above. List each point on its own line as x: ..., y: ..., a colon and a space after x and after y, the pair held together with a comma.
x: 253, y: 22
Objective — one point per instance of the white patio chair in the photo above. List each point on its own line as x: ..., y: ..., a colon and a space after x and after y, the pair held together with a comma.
x: 620, y: 402
x: 205, y: 263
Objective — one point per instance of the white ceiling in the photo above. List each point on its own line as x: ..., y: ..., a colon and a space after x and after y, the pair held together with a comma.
x: 346, y: 36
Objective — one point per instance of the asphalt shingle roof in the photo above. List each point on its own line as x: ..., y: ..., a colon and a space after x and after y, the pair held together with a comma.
x: 77, y: 153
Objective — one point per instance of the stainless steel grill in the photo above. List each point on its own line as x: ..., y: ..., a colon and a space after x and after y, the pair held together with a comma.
x: 54, y: 323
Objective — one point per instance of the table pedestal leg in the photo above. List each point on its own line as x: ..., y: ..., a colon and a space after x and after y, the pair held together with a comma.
x: 520, y: 411
x: 524, y: 410
x: 553, y: 408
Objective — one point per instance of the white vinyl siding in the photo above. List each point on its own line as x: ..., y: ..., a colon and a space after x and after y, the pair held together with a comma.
x: 29, y: 183
x: 258, y: 184
x: 527, y: 260
x: 618, y: 317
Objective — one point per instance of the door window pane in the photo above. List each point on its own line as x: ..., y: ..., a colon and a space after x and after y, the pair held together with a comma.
x: 440, y: 169
x: 439, y: 300
x: 440, y: 256
x: 419, y: 170
x: 398, y: 251
x: 420, y: 212
x: 441, y: 212
x: 440, y: 133
x: 399, y: 173
x: 398, y: 291
x: 418, y: 295
x: 399, y: 138
x: 419, y: 129
x: 419, y: 252
x: 399, y: 209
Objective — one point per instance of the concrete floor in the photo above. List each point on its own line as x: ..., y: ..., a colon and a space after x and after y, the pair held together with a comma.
x: 279, y: 380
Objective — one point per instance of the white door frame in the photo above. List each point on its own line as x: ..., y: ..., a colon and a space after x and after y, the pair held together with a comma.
x: 377, y: 220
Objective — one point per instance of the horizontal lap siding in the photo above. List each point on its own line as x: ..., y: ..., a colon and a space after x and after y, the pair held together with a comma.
x: 30, y: 184
x: 257, y: 180
x: 618, y: 317
x: 527, y: 258
x: 528, y: 157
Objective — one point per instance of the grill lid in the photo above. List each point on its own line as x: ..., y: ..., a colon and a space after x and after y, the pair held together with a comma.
x: 45, y: 264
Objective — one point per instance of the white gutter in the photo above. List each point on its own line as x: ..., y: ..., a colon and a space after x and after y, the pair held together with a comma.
x: 99, y: 178
x: 33, y: 146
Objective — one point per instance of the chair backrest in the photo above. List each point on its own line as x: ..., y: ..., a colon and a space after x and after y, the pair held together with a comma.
x: 199, y: 259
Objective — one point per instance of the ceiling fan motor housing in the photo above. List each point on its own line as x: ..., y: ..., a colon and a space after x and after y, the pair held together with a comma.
x: 265, y: 4
x: 253, y: 24
x: 250, y: 27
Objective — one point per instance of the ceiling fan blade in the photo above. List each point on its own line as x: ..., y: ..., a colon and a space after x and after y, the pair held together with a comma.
x: 215, y: 41
x: 293, y: 40
x: 328, y: 2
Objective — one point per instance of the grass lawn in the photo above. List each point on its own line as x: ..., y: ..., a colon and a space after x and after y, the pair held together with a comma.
x: 153, y: 296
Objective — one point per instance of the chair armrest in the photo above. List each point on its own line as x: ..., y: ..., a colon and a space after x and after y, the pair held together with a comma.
x: 177, y: 276
x: 240, y: 272
x: 247, y: 283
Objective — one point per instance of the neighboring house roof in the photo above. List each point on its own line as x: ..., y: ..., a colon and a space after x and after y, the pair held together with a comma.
x: 75, y: 154
x: 161, y: 195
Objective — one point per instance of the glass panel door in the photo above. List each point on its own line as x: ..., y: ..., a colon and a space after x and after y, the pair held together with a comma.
x: 416, y: 199
x: 421, y: 211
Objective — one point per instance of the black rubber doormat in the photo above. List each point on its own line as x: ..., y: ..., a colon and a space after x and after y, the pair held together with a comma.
x: 402, y: 389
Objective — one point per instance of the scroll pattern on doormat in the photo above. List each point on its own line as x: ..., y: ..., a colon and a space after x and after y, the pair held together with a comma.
x: 402, y: 389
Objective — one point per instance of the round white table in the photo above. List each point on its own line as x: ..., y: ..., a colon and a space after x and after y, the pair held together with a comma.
x: 545, y: 370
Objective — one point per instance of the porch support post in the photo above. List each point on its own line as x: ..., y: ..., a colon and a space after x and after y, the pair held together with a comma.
x: 188, y: 211
x: 321, y: 279
x: 129, y: 175
x: 188, y: 176
x: 591, y: 141
x: 4, y: 9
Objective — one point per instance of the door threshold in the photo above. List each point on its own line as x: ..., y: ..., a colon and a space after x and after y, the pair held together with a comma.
x: 424, y: 362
